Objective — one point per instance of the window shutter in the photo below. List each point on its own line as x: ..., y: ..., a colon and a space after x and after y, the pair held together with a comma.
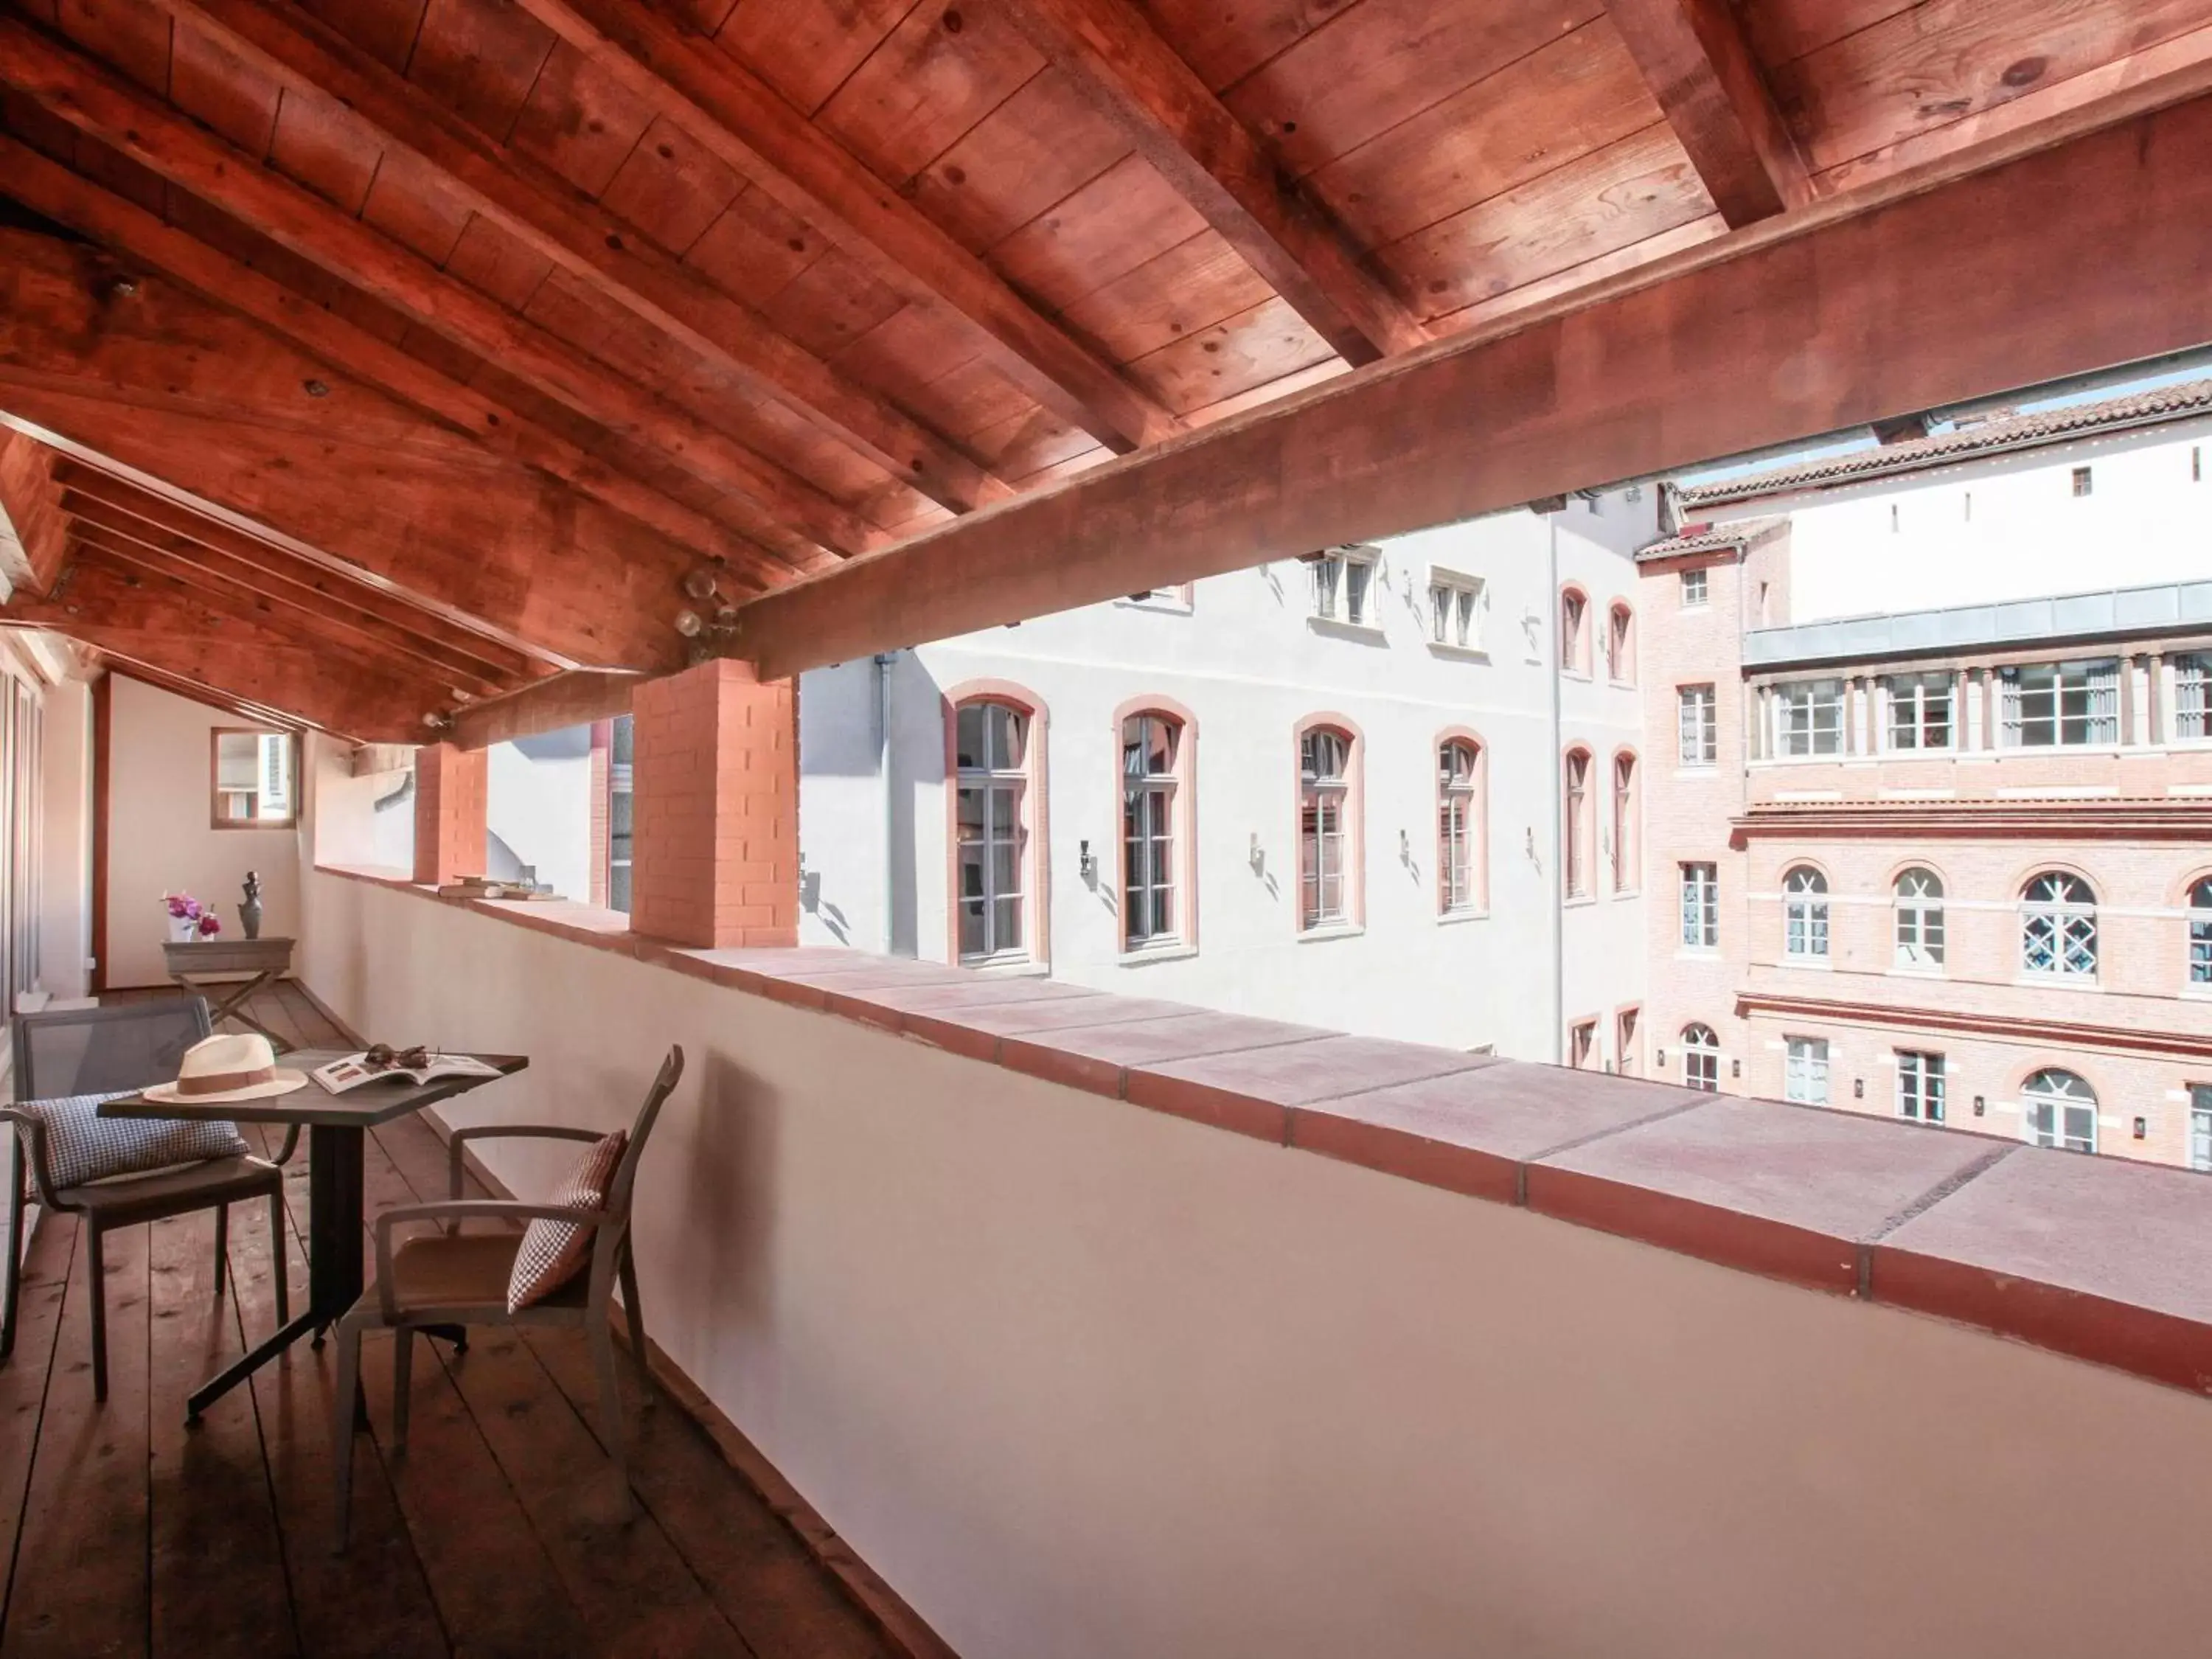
x: 2009, y: 695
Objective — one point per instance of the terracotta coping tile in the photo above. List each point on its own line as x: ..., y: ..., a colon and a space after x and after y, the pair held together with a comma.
x: 1471, y: 1131
x: 1250, y: 1089
x: 1095, y: 1057
x: 1790, y: 1191
x: 2104, y: 1259
x: 2098, y: 1257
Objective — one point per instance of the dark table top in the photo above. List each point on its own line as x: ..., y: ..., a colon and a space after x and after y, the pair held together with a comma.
x: 357, y: 1109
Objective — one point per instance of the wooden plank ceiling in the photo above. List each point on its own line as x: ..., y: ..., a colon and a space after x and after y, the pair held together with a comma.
x: 405, y: 352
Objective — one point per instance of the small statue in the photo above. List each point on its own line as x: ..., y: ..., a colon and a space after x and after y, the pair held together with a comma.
x: 249, y: 914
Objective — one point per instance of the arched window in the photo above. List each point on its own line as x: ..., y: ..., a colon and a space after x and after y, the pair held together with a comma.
x: 2060, y: 1110
x: 1919, y: 920
x: 993, y: 805
x: 1627, y: 853
x: 2058, y: 926
x: 1152, y: 831
x: 1574, y: 826
x: 1620, y: 644
x: 2200, y: 933
x: 1805, y: 914
x: 1701, y: 1059
x: 1463, y: 854
x: 1574, y: 632
x: 1329, y: 842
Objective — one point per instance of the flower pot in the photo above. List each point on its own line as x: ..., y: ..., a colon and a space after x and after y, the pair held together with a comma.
x: 183, y: 930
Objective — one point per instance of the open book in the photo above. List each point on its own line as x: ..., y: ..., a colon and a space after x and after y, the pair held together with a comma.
x: 355, y: 1070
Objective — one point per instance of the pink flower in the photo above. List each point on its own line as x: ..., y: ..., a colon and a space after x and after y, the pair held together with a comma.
x: 180, y: 905
x: 209, y: 926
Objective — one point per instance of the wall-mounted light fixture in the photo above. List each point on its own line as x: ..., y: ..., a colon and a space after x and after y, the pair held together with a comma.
x: 1256, y: 857
x: 1858, y: 1088
x: 1659, y: 1059
x: 1085, y: 865
x: 2143, y: 1127
x: 1980, y: 1106
x: 1736, y: 1068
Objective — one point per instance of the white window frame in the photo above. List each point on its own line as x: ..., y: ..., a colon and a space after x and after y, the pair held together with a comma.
x: 1152, y: 831
x: 1805, y: 1071
x: 2053, y: 1115
x: 1920, y: 1085
x: 1697, y: 725
x: 1697, y: 590
x: 1700, y: 905
x: 1805, y: 914
x: 2054, y: 920
x: 1460, y: 827
x: 1344, y: 587
x: 1808, y: 718
x: 1917, y: 899
x: 1621, y: 643
x: 1701, y: 1059
x: 1455, y: 607
x: 2192, y: 696
x: 1004, y: 791
x: 1912, y: 714
x: 1574, y: 636
x: 2034, y: 698
x: 2200, y: 1126
x: 1576, y: 805
x: 2200, y: 933
x: 1325, y: 802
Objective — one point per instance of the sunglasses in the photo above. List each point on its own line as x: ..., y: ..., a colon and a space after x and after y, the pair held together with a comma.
x: 382, y: 1055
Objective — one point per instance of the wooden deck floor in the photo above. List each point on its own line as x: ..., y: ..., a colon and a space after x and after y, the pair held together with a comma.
x: 124, y: 1532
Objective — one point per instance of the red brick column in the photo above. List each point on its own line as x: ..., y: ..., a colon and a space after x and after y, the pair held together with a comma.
x: 715, y: 812
x: 451, y: 789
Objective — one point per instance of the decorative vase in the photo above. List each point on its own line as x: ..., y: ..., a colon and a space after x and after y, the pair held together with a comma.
x: 183, y: 930
x: 249, y: 918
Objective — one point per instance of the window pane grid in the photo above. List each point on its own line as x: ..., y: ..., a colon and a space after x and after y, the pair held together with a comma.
x: 2058, y: 927
x: 1456, y: 826
x: 1808, y: 718
x: 1805, y: 1072
x: 990, y: 746
x: 1701, y: 907
x: 1322, y: 757
x: 1699, y: 730
x: 1920, y: 1086
x: 1919, y: 711
x: 1805, y: 914
x: 2061, y: 705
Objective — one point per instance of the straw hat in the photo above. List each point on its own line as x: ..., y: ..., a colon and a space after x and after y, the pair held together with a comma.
x: 219, y: 1068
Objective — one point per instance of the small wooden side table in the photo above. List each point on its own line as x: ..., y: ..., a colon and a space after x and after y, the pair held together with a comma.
x: 264, y: 959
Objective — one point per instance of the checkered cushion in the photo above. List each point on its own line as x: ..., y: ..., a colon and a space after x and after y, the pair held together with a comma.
x: 83, y: 1146
x: 554, y: 1252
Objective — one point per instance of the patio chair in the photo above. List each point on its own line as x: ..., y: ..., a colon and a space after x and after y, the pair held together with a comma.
x: 455, y: 1278
x: 69, y: 1054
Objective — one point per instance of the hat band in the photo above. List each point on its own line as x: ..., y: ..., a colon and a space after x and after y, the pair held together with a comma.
x: 216, y: 1083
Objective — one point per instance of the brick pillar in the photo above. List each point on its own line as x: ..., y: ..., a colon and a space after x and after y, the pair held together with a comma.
x: 715, y: 812
x: 450, y: 788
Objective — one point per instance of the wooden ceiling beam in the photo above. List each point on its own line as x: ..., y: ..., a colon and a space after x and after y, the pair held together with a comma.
x: 1699, y: 65
x: 134, y: 374
x: 139, y: 567
x: 1115, y: 56
x: 30, y: 505
x: 602, y: 252
x: 69, y: 199
x: 742, y: 121
x: 169, y: 627
x: 798, y: 517
x: 246, y: 593
x: 1953, y: 282
x: 254, y: 712
x: 97, y: 499
x: 565, y: 700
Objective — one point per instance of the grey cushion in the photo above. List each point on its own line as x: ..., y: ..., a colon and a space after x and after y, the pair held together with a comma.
x: 83, y: 1147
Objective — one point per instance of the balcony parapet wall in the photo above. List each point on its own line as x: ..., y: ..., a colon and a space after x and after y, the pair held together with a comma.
x: 2105, y: 1261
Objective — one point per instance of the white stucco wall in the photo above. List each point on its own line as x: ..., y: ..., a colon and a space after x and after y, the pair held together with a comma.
x: 160, y: 839
x: 65, y: 840
x: 1086, y: 1381
x: 539, y: 807
x: 2010, y: 528
x: 1248, y: 662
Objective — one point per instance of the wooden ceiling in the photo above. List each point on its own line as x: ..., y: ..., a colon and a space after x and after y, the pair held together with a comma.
x: 408, y: 351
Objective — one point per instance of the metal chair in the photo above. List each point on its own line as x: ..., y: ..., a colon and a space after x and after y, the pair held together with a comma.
x: 454, y: 1277
x: 90, y: 1051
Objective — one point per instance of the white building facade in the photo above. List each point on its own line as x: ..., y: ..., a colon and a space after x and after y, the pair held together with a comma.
x: 1393, y: 790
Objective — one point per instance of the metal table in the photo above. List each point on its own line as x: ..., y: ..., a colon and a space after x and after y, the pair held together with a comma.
x: 266, y: 959
x: 338, y: 1129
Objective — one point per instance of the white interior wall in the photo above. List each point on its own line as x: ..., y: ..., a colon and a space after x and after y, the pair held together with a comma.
x: 65, y: 838
x: 160, y: 839
x: 1084, y: 1381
